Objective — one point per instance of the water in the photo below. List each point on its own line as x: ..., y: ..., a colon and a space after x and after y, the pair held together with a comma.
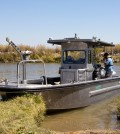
x: 97, y: 116
x: 9, y: 70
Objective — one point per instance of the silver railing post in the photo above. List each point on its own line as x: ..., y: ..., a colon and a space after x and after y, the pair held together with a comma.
x: 24, y: 71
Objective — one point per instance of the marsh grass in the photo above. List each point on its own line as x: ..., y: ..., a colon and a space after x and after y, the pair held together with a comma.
x: 22, y: 115
x: 48, y: 54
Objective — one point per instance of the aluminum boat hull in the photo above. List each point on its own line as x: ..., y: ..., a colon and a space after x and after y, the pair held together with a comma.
x: 68, y: 96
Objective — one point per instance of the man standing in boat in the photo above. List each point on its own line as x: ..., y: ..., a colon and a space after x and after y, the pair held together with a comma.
x: 108, y: 65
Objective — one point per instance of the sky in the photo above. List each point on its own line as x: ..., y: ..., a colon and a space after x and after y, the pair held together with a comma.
x: 33, y: 22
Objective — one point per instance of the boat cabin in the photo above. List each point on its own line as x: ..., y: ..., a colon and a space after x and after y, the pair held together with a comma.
x: 77, y: 63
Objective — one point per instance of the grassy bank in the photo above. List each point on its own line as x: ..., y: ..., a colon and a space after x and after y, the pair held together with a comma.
x: 22, y: 115
x: 48, y: 54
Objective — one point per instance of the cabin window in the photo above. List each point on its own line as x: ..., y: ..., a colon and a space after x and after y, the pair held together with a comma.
x: 74, y: 57
x: 89, y: 56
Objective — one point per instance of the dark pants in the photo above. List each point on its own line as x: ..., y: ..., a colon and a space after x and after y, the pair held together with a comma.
x: 108, y: 74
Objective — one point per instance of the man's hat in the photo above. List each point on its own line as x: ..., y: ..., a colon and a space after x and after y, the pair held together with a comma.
x: 106, y: 54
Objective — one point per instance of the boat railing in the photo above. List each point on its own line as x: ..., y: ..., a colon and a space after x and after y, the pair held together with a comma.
x: 23, y: 62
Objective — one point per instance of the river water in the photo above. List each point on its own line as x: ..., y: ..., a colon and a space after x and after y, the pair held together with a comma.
x: 9, y: 70
x: 97, y: 116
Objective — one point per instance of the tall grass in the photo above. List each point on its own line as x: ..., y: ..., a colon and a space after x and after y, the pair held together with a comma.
x: 22, y: 115
x: 48, y: 54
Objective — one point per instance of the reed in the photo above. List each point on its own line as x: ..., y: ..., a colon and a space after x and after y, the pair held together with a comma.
x: 48, y: 54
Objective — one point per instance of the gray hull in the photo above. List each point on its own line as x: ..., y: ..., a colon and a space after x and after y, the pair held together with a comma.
x: 68, y: 96
x: 71, y: 96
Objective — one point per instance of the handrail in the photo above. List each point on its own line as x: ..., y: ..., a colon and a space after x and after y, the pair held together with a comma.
x: 28, y: 61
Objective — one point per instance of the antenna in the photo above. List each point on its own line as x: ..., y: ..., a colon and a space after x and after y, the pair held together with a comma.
x: 75, y: 36
x: 15, y: 47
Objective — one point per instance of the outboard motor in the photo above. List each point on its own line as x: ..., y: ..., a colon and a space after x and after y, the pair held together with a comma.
x: 98, y: 72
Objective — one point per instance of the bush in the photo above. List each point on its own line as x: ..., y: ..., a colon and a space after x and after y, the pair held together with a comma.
x: 22, y: 115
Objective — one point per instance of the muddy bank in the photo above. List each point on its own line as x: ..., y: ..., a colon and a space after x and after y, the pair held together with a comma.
x: 100, y: 116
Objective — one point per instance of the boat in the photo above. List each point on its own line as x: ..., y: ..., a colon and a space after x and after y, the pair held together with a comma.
x: 81, y: 82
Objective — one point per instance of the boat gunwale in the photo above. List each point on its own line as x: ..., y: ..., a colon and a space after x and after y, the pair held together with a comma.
x: 11, y: 89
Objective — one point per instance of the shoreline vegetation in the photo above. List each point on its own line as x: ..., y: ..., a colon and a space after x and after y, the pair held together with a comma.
x: 24, y: 115
x: 48, y: 54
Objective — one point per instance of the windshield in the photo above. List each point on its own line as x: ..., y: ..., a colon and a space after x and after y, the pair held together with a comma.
x: 74, y: 57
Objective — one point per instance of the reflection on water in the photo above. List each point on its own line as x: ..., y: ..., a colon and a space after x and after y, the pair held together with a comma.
x: 97, y: 116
